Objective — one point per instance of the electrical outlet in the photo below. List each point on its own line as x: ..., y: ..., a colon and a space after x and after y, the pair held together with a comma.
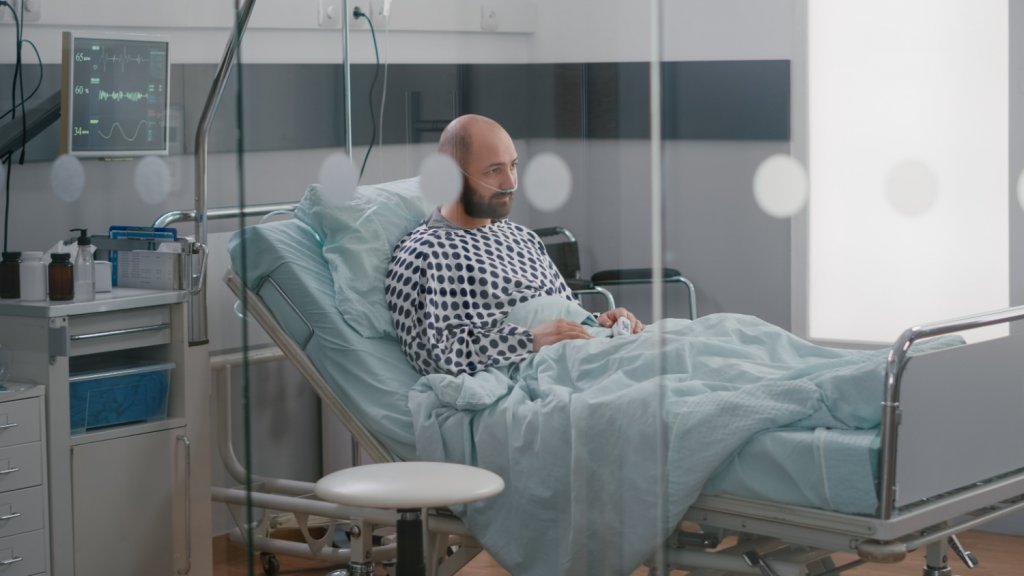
x: 329, y: 13
x: 33, y: 10
x: 489, y: 19
x: 375, y: 9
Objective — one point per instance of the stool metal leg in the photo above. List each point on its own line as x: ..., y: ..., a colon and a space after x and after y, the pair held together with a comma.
x: 360, y: 537
x: 409, y: 529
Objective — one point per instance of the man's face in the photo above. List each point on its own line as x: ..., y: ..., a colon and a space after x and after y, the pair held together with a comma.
x: 479, y: 202
x: 490, y: 177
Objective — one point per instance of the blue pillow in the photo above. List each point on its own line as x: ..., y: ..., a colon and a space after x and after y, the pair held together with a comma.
x: 358, y: 237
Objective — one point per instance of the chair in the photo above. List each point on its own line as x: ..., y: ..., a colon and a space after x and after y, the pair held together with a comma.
x: 565, y: 254
x: 563, y: 249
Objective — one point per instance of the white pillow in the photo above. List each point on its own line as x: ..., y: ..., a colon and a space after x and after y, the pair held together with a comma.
x: 358, y: 237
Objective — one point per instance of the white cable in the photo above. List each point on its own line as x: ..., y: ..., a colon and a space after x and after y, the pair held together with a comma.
x: 384, y: 88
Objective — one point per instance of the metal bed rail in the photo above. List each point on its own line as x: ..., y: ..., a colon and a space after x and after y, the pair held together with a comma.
x: 175, y: 216
x: 895, y: 364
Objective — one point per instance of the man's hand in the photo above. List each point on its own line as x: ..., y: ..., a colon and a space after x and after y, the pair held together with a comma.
x: 608, y: 319
x: 556, y: 331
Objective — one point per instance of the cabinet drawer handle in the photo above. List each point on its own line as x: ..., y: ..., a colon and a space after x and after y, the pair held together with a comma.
x: 10, y: 561
x: 11, y: 516
x: 122, y: 332
x: 6, y: 426
x: 9, y: 470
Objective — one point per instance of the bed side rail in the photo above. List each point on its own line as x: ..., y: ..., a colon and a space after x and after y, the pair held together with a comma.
x: 896, y: 364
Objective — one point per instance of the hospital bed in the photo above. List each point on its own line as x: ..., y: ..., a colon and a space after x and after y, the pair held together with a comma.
x: 947, y: 458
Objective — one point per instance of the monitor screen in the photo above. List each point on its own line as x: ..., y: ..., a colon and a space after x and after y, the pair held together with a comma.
x: 114, y: 95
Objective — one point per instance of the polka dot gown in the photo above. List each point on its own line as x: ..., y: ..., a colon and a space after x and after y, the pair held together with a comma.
x: 450, y: 289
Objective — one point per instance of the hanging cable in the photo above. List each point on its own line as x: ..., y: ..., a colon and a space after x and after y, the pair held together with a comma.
x: 39, y: 82
x: 7, y: 160
x: 384, y: 87
x: 358, y: 13
x: 19, y: 78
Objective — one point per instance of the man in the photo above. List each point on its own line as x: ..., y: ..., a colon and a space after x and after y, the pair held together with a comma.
x: 454, y: 279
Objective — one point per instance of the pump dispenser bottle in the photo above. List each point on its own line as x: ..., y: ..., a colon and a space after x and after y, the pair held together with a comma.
x: 85, y: 273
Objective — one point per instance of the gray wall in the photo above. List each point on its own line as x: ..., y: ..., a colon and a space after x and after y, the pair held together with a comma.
x: 737, y: 256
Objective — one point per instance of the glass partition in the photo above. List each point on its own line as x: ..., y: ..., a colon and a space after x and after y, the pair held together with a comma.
x: 754, y: 186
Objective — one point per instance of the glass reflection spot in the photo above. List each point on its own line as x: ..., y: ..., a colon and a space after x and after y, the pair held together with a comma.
x: 67, y: 178
x: 152, y: 179
x: 781, y: 186
x: 912, y: 188
x: 440, y: 179
x: 548, y: 182
x: 338, y: 177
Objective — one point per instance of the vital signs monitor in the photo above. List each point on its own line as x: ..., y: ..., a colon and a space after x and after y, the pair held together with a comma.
x: 114, y: 95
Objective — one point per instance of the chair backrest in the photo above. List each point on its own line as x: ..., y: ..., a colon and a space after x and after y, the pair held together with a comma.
x: 562, y: 248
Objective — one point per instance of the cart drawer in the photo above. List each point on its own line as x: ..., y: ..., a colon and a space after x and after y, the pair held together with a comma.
x: 21, y: 511
x: 19, y: 422
x: 23, y: 554
x: 118, y: 330
x: 20, y: 467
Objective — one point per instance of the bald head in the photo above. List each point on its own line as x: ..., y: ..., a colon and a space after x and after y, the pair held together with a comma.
x: 487, y: 158
x: 458, y: 138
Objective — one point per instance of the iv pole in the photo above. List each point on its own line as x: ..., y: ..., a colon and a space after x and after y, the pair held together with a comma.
x: 198, y: 332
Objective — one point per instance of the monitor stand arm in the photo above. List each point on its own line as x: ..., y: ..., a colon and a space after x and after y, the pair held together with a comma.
x: 16, y: 132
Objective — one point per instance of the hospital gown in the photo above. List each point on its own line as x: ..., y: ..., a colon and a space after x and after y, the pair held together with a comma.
x: 450, y: 290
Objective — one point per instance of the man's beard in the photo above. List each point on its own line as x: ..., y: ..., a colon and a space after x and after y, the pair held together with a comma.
x: 484, y: 206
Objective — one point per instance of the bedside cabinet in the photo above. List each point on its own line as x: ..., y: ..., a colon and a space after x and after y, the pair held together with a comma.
x: 23, y: 525
x: 121, y: 432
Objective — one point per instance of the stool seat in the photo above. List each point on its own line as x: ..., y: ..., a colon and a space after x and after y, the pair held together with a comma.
x: 409, y: 485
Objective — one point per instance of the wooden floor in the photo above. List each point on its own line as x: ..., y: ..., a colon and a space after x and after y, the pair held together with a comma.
x: 999, y: 555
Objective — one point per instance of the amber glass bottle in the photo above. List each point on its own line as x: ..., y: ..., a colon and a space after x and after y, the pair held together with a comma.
x: 61, y: 277
x: 10, y: 279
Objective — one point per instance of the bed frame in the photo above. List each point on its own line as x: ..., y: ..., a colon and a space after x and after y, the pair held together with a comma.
x: 951, y: 459
x: 935, y: 419
x: 448, y: 543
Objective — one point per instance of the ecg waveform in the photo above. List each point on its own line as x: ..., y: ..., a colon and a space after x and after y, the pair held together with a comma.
x: 117, y: 125
x: 119, y: 95
x: 122, y: 58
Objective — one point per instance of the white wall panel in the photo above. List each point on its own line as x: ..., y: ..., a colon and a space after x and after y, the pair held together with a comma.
x: 928, y: 83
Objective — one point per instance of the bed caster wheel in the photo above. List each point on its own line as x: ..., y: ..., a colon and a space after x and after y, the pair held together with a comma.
x: 270, y: 563
x: 390, y: 567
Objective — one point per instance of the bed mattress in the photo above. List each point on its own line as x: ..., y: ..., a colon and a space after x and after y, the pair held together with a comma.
x: 822, y: 468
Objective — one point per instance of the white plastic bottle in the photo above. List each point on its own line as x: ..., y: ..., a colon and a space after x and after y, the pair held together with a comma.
x: 85, y: 273
x: 33, y: 277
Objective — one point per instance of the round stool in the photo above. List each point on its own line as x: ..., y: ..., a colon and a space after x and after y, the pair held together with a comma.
x: 409, y: 487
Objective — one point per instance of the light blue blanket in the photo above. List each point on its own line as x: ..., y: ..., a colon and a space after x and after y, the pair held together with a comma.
x: 604, y: 443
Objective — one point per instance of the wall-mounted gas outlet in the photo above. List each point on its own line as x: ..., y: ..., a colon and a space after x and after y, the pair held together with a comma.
x: 329, y: 13
x: 32, y: 12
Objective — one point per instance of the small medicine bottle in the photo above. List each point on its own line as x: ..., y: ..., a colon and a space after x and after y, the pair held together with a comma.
x: 61, y: 277
x: 85, y: 271
x: 10, y: 278
x: 33, y: 277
